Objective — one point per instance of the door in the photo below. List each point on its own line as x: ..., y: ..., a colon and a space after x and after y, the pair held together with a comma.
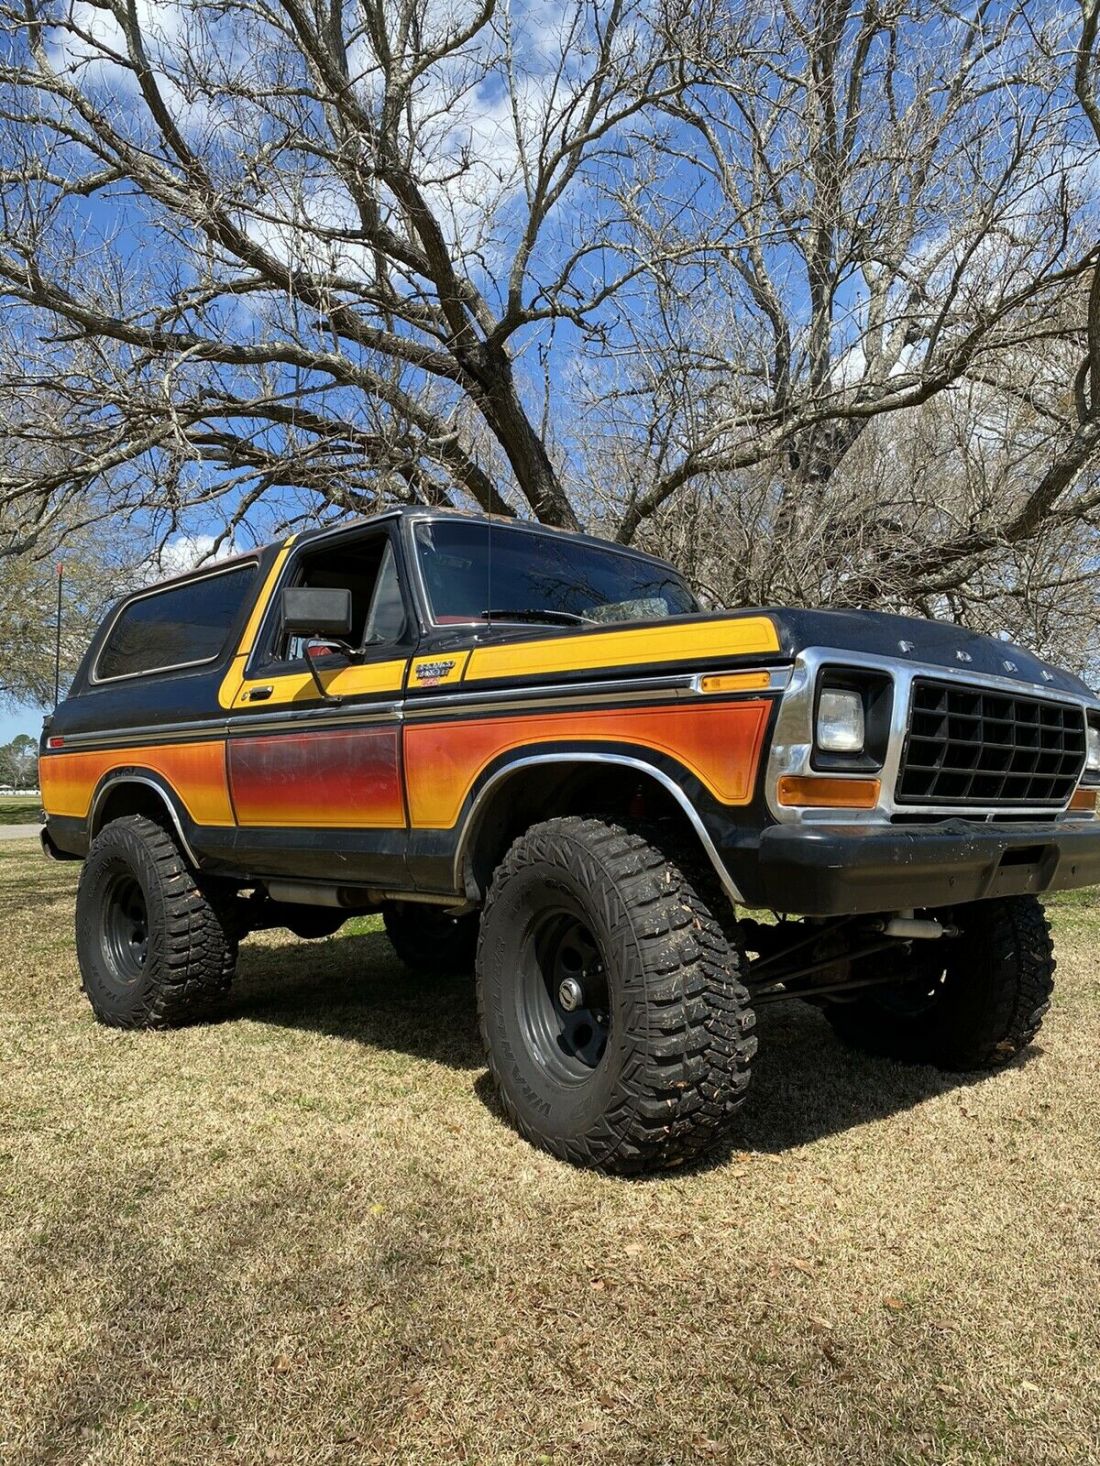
x: 316, y: 780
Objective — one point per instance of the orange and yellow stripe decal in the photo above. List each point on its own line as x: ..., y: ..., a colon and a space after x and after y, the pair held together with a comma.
x: 719, y: 743
x: 346, y: 681
x: 196, y: 771
x: 343, y: 779
x: 231, y: 682
x: 735, y: 636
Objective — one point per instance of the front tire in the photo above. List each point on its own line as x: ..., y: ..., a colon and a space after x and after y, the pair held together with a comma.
x: 153, y: 951
x: 615, y: 1027
x: 969, y: 1002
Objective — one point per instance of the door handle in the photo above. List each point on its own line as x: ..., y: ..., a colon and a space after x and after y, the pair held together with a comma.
x: 258, y: 694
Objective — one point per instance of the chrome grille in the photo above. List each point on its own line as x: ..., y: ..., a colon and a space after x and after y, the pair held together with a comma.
x: 972, y: 745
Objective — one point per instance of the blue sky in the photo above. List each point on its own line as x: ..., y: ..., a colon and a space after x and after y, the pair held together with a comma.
x: 20, y: 720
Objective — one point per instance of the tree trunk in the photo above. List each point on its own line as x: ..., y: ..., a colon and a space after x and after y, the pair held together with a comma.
x: 504, y: 412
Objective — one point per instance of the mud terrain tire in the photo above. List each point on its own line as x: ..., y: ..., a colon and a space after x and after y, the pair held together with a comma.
x: 153, y: 950
x: 648, y: 1065
x: 974, y: 1004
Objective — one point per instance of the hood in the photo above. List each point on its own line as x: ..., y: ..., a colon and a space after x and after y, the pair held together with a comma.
x: 910, y: 638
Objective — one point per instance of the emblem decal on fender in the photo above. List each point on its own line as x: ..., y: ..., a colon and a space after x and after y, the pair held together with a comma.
x: 432, y: 672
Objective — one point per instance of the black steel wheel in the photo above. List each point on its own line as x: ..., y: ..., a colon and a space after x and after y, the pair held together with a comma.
x: 615, y: 1027
x: 973, y: 1001
x: 125, y: 928
x: 564, y: 1003
x: 153, y: 949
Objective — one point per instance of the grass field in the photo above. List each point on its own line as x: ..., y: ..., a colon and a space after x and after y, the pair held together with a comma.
x: 19, y: 809
x: 304, y: 1235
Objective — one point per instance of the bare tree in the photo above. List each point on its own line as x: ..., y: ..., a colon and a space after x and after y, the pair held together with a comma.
x: 608, y: 262
x: 29, y: 607
x: 886, y: 201
x: 345, y: 226
x: 914, y: 482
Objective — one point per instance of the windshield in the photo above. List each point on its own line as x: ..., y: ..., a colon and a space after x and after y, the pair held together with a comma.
x: 476, y: 571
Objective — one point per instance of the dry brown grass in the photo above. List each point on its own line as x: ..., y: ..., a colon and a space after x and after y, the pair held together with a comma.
x: 305, y: 1235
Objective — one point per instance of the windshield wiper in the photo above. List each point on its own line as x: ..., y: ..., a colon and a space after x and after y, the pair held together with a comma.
x: 552, y: 618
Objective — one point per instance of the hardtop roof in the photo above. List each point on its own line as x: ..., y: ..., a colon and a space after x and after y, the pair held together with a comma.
x: 429, y: 512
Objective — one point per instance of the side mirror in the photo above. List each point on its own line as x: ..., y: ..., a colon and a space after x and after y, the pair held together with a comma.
x: 309, y: 611
x: 321, y: 614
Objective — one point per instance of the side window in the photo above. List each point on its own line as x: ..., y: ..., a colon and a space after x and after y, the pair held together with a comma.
x: 368, y: 568
x: 175, y: 627
x: 386, y: 618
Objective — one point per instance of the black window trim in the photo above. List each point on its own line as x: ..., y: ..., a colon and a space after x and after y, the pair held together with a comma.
x: 163, y: 588
x: 261, y: 661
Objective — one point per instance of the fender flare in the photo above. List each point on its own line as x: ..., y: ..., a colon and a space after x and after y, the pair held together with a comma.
x: 150, y: 780
x: 637, y: 765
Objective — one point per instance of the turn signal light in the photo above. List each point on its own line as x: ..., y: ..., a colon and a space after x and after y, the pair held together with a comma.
x: 1083, y: 801
x: 735, y: 682
x: 807, y: 791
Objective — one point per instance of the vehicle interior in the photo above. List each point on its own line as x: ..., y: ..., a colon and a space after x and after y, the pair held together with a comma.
x: 368, y: 568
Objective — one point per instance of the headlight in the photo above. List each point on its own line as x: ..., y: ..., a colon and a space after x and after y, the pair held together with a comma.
x: 1092, y: 750
x: 840, y: 725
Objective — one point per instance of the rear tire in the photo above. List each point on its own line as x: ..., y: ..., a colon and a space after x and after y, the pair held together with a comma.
x: 428, y: 940
x: 970, y: 1002
x: 615, y: 1027
x: 153, y: 950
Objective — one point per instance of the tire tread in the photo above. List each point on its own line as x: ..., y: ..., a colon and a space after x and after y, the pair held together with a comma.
x: 1002, y: 979
x: 192, y: 967
x: 685, y: 1077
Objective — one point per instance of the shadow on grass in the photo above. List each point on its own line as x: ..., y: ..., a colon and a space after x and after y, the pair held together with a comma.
x: 805, y: 1083
x: 355, y: 988
x: 14, y: 897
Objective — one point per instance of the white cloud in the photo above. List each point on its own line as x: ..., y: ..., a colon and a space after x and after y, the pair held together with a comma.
x: 186, y: 552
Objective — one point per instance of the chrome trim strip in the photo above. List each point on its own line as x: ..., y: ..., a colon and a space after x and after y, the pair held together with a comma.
x: 622, y: 761
x: 147, y: 735
x: 277, y: 720
x: 657, y: 697
x: 424, y: 706
x: 152, y: 784
x: 792, y: 743
x: 272, y: 719
x: 428, y: 698
x: 626, y: 689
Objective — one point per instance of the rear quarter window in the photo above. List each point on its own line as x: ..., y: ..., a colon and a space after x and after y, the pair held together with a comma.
x: 175, y: 627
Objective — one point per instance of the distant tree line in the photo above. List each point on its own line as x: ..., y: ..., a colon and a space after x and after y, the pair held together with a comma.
x: 19, y: 763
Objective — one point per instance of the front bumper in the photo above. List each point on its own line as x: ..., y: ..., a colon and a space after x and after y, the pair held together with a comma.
x: 834, y: 870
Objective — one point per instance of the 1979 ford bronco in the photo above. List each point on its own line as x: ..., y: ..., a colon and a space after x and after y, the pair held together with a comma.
x: 536, y: 755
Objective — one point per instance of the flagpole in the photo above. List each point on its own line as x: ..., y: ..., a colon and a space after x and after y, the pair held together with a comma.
x: 57, y: 640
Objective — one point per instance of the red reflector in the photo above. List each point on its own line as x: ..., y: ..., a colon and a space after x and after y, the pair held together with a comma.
x: 55, y: 743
